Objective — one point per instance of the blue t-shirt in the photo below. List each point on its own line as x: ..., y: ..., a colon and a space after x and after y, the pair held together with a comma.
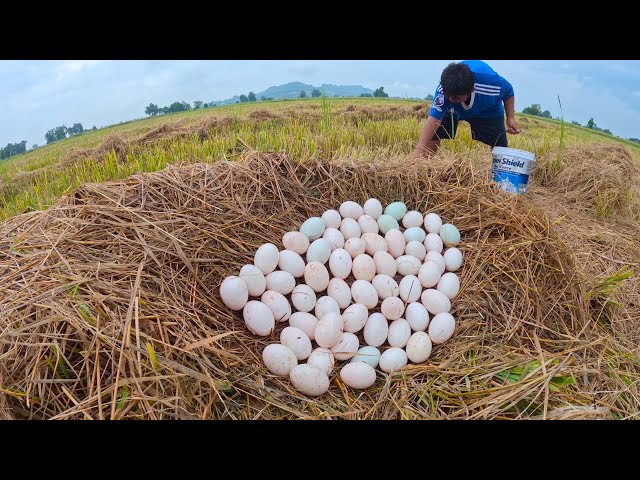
x: 489, y: 91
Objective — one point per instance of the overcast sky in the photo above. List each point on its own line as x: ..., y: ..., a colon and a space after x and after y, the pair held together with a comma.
x: 36, y: 96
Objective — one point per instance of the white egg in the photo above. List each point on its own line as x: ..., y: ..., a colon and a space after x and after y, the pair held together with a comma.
x: 309, y: 380
x: 373, y: 208
x: 331, y: 219
x: 392, y: 308
x: 355, y: 316
x: 316, y: 276
x: 258, y: 318
x: 296, y: 242
x: 417, y: 316
x: 234, y: 292
x: 399, y: 333
x: 408, y: 265
x: 365, y: 293
x: 363, y: 268
x: 305, y: 322
x: 368, y: 224
x: 387, y: 222
x: 254, y: 278
x: 334, y: 237
x: 279, y: 359
x: 350, y: 209
x: 412, y: 219
x: 450, y: 234
x: 436, y: 257
x: 358, y: 375
x: 392, y: 360
x: 319, y: 251
x: 303, y: 297
x: 449, y: 284
x: 329, y: 330
x: 266, y: 258
x: 385, y: 286
x: 322, y: 358
x: 396, y: 242
x: 313, y: 228
x: 452, y: 259
x: 340, y: 263
x: 419, y: 347
x: 435, y: 301
x: 346, y: 347
x: 281, y: 281
x: 376, y: 330
x: 374, y: 243
x: 350, y: 228
x: 415, y: 249
x: 432, y: 223
x: 441, y: 327
x: 429, y: 274
x: 297, y: 341
x: 278, y: 304
x: 410, y: 288
x: 385, y: 264
x: 291, y: 262
x: 340, y: 291
x: 433, y: 243
x: 369, y: 355
x: 326, y: 305
x: 355, y: 246
x: 414, y: 234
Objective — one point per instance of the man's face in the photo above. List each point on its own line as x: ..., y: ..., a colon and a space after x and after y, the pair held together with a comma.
x: 459, y: 98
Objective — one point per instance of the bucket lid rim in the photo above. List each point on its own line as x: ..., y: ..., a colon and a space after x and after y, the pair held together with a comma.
x: 515, y: 151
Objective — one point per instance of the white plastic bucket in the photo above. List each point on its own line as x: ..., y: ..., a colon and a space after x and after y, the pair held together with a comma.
x: 511, y: 168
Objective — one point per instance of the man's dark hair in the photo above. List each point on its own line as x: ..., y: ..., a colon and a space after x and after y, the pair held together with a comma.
x: 457, y: 79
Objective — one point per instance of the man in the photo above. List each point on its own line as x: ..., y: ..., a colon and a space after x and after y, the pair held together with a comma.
x: 470, y: 91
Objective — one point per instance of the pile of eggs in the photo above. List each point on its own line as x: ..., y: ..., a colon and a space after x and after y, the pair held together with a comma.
x: 335, y: 272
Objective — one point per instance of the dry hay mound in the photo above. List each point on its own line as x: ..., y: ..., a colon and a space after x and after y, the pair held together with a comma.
x: 598, y: 177
x: 109, y: 304
x: 263, y: 115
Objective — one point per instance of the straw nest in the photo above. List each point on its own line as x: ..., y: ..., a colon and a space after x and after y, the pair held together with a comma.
x: 109, y: 303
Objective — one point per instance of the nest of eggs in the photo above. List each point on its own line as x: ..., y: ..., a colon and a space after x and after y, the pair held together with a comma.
x: 110, y: 303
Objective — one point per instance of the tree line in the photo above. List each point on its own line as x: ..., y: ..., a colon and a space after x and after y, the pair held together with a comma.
x: 536, y: 110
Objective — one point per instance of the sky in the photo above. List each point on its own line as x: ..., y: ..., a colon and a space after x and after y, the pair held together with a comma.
x: 38, y: 95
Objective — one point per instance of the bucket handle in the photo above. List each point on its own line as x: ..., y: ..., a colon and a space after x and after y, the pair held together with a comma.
x: 530, y: 139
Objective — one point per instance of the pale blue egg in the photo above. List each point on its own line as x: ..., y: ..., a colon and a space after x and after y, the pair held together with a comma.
x: 396, y: 210
x: 368, y: 354
x: 386, y: 223
x: 414, y: 233
x: 450, y: 234
x: 313, y: 228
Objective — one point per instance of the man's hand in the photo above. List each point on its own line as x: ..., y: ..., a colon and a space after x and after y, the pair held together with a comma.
x: 512, y: 126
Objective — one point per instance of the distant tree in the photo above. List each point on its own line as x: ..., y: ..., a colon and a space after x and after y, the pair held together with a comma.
x: 76, y: 129
x: 315, y: 93
x: 429, y: 98
x: 633, y: 139
x: 575, y: 123
x: 151, y: 109
x: 251, y: 97
x: 607, y: 131
x: 94, y: 128
x: 197, y: 104
x: 60, y: 132
x: 366, y: 95
x: 379, y: 92
x: 546, y: 114
x: 50, y: 136
x: 591, y: 124
x: 263, y: 98
x: 534, y: 109
x: 303, y: 94
x: 34, y: 146
x: 244, y: 98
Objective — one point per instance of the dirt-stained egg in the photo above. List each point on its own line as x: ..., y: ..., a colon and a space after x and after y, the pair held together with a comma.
x: 279, y: 359
x: 297, y: 341
x: 323, y: 359
x: 303, y: 297
x: 296, y: 242
x: 278, y: 304
x: 340, y: 291
x: 419, y: 347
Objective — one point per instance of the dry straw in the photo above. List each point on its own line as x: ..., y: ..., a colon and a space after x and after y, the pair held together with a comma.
x: 109, y: 303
